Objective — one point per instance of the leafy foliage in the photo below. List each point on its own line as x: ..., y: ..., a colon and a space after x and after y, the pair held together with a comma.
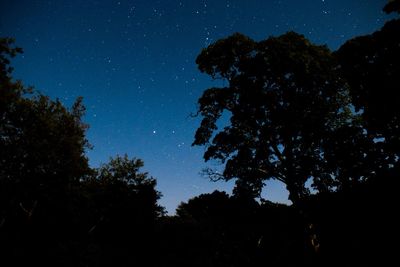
x: 370, y: 65
x: 42, y: 145
x: 122, y: 174
x: 392, y: 6
x: 54, y: 208
x: 284, y: 98
x: 216, y: 229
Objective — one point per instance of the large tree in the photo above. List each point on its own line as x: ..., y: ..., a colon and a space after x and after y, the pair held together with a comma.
x: 53, y: 207
x: 42, y: 143
x: 370, y: 64
x: 284, y: 99
x: 32, y: 125
x: 42, y: 158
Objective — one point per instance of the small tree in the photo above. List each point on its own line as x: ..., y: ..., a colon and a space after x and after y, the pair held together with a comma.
x: 123, y: 173
x: 205, y: 206
x: 124, y: 212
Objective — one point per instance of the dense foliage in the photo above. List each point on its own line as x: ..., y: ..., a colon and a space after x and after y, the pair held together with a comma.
x: 54, y: 209
x: 285, y: 99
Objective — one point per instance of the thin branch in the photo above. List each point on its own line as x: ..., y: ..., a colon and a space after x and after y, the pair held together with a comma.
x: 278, y: 153
x: 278, y: 176
x: 212, y: 174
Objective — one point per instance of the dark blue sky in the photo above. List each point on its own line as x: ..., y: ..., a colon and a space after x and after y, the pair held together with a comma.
x: 134, y: 64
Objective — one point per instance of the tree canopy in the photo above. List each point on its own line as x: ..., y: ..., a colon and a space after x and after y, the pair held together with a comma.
x: 123, y: 174
x: 42, y: 143
x: 284, y: 98
x: 392, y: 6
x: 55, y: 208
x: 370, y: 65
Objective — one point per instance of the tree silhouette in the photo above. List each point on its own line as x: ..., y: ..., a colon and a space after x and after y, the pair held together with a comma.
x: 219, y: 230
x: 124, y: 173
x: 284, y: 98
x: 214, y: 205
x: 392, y: 6
x: 370, y: 64
x: 42, y: 157
x: 54, y: 208
x: 42, y: 143
x: 123, y: 214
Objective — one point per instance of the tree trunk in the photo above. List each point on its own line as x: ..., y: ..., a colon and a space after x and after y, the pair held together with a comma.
x: 312, y: 244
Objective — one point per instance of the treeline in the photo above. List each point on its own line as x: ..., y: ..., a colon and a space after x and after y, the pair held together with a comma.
x: 299, y: 113
x: 354, y: 228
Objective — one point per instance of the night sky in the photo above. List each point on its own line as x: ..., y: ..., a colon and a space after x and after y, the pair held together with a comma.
x: 134, y: 64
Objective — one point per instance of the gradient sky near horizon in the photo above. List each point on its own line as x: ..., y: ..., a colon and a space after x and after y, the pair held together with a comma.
x: 134, y: 64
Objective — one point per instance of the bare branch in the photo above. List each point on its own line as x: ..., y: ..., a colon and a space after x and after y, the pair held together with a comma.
x: 213, y: 175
